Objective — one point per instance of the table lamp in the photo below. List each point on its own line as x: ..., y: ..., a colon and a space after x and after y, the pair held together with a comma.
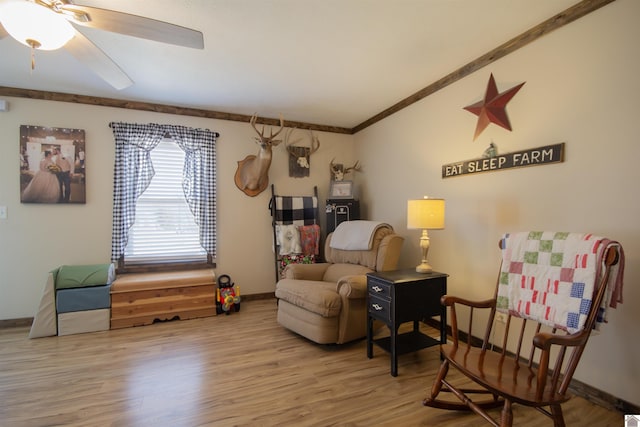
x: 425, y: 214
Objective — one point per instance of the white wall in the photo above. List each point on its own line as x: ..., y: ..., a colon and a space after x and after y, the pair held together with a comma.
x: 37, y: 238
x: 582, y: 87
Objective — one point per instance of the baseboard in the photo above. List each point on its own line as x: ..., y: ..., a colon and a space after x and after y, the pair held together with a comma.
x: 601, y: 398
x: 578, y: 388
x: 255, y: 297
x: 16, y: 323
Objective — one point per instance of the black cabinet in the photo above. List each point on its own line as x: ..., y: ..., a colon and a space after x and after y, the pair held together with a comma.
x: 396, y: 297
x: 339, y: 210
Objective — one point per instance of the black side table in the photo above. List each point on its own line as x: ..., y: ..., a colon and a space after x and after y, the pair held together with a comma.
x: 396, y: 297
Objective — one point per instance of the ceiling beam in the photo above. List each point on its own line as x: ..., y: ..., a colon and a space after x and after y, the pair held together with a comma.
x: 561, y: 19
x: 160, y: 108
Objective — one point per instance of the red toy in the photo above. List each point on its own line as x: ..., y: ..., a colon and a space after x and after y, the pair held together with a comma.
x: 227, y: 297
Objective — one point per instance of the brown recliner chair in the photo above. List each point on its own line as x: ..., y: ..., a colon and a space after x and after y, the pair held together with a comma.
x: 326, y: 302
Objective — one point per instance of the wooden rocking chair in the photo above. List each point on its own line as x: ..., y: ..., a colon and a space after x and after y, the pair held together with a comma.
x: 505, y: 374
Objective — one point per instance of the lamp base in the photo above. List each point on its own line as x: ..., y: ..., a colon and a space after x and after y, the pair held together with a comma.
x: 424, y: 268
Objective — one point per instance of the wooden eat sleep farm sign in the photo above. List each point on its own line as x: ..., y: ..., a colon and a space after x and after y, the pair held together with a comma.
x: 530, y: 157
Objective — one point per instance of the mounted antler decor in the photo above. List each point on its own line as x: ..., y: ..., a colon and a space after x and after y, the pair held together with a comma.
x: 338, y: 171
x: 299, y: 157
x: 252, y: 175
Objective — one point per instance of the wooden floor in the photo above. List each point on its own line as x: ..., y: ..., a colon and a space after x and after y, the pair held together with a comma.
x: 237, y: 370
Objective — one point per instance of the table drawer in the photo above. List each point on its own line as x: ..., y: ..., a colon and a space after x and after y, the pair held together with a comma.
x: 378, y: 289
x: 380, y: 308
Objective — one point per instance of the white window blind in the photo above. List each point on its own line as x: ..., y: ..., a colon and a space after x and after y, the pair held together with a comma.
x: 164, y: 228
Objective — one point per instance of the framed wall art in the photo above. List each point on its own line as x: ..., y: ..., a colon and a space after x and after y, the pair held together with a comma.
x: 52, y: 165
x: 341, y: 190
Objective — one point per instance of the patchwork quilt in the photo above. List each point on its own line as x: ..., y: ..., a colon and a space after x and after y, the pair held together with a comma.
x: 551, y: 277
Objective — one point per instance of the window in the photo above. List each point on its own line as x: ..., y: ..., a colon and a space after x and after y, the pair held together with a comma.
x: 164, y: 198
x: 164, y: 229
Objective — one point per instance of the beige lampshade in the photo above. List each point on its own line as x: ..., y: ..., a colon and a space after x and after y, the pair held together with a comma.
x: 35, y: 26
x: 425, y: 214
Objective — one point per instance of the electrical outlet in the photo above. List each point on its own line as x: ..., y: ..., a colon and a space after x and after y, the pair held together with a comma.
x: 3, y: 212
x: 501, y: 317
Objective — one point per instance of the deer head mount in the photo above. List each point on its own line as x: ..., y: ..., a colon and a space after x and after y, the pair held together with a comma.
x: 252, y: 174
x: 338, y: 171
x: 299, y: 156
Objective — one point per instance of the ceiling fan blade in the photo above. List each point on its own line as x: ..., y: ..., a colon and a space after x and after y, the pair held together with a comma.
x: 137, y: 26
x: 93, y: 57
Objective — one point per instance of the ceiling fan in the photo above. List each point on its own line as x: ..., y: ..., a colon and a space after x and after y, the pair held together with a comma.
x: 52, y: 24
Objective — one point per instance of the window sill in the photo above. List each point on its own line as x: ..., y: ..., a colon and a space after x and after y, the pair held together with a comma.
x: 162, y: 266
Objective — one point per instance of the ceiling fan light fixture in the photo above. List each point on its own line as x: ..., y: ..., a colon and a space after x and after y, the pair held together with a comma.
x: 35, y: 26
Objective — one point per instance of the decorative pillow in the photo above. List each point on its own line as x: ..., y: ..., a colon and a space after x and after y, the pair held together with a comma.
x: 310, y: 239
x: 288, y: 239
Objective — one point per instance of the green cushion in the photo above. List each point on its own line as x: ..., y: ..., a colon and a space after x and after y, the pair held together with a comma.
x: 79, y: 276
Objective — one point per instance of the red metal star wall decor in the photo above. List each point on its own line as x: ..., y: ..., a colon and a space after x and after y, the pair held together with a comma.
x: 492, y: 109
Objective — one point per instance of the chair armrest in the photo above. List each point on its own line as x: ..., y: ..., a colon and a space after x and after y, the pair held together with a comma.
x: 544, y: 340
x: 352, y: 323
x: 305, y: 271
x: 451, y: 302
x: 353, y: 286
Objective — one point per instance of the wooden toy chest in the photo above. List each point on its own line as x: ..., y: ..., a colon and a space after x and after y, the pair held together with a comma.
x: 142, y: 298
